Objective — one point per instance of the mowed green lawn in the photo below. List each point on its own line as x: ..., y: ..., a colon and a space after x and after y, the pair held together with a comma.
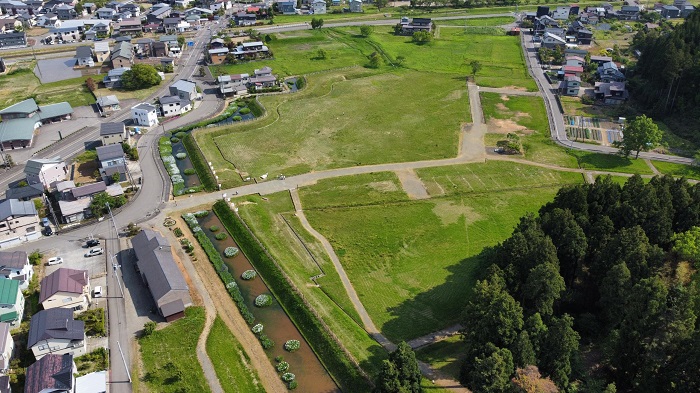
x: 495, y: 21
x: 611, y: 163
x: 446, y: 355
x: 169, y: 355
x: 231, y: 363
x: 492, y: 176
x: 365, y: 189
x: 413, y: 264
x: 528, y: 112
x: 24, y: 84
x: 369, y: 120
x: 669, y: 168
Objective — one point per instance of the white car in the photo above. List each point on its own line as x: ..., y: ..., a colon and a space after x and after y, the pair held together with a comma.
x: 55, y: 261
x: 93, y: 252
x: 97, y: 292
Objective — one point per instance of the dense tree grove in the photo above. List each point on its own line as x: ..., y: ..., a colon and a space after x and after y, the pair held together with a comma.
x: 400, y: 373
x: 668, y: 71
x: 604, y: 267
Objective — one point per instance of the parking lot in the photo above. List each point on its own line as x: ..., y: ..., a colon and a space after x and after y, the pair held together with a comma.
x: 54, y: 70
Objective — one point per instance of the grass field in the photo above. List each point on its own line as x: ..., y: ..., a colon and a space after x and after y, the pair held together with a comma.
x: 495, y: 21
x: 669, y: 168
x: 611, y: 163
x: 169, y: 355
x: 527, y: 116
x: 366, y: 189
x: 413, y: 263
x: 231, y: 363
x: 301, y: 257
x: 340, y: 129
x: 491, y: 176
x: 446, y: 355
x: 24, y: 84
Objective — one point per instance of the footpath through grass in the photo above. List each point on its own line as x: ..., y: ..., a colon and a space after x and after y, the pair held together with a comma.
x: 169, y: 355
x: 231, y: 362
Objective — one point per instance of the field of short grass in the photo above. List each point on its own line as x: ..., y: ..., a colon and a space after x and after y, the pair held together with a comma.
x: 301, y: 257
x: 495, y: 21
x: 231, y: 363
x: 669, y: 168
x: 611, y: 163
x: 413, y: 264
x: 446, y: 355
x: 169, y: 355
x: 365, y: 189
x: 527, y: 116
x: 24, y: 84
x: 491, y: 176
x: 344, y: 129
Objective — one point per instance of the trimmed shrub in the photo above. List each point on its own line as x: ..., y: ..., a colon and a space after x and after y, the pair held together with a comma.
x: 292, y: 345
x: 181, y: 134
x: 288, y: 377
x: 264, y: 301
x: 266, y: 342
x: 190, y: 172
x: 214, y: 228
x: 201, y: 213
x: 293, y: 385
x: 181, y: 156
x: 237, y: 118
x: 199, y: 163
x: 221, y: 236
x: 257, y: 329
x: 244, y: 111
x: 177, y: 232
x: 282, y: 366
x: 249, y: 274
x: 230, y: 252
x: 174, y: 139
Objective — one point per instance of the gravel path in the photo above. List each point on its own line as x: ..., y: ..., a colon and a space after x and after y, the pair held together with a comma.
x: 412, y: 184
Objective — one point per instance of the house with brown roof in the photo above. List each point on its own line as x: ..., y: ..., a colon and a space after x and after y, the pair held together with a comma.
x: 51, y: 373
x: 55, y: 331
x: 66, y: 288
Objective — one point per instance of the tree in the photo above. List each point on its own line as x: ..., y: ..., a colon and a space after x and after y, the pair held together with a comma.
x: 140, y: 76
x: 529, y: 380
x: 375, y: 60
x: 422, y: 37
x: 116, y: 177
x: 400, y: 374
x: 491, y: 372
x: 148, y: 328
x: 569, y: 239
x: 316, y: 23
x: 321, y: 54
x: 543, y: 287
x: 523, y: 352
x: 98, y: 205
x: 687, y: 244
x: 641, y: 134
x: 380, y: 4
x: 559, y: 349
x: 613, y: 293
x: 91, y: 84
x: 366, y: 30
x: 476, y: 66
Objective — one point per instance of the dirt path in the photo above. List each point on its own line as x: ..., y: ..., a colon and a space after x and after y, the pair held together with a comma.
x: 412, y: 184
x: 652, y: 167
x: 434, y: 337
x: 207, y: 283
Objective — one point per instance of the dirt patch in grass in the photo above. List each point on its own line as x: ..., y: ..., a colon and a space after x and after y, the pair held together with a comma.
x: 84, y: 173
x: 384, y: 186
x: 505, y: 126
x: 449, y: 212
x: 519, y: 88
x: 501, y: 106
x: 505, y: 97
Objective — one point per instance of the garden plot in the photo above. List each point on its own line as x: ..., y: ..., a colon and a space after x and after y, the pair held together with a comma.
x: 592, y: 129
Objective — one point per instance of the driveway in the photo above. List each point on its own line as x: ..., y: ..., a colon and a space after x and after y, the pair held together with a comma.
x: 54, y: 70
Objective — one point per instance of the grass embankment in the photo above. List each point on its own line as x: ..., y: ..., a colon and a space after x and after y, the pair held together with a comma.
x: 413, y: 263
x: 611, y: 163
x: 231, y: 362
x: 169, y: 355
x: 669, y: 168
x: 328, y: 351
x: 199, y: 163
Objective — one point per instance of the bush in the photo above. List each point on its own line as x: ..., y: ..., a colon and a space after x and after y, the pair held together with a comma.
x: 148, y: 328
x: 174, y: 139
x: 267, y: 342
x: 244, y: 111
x: 201, y: 213
x: 292, y: 345
x: 248, y: 275
x: 301, y: 82
x: 263, y: 301
x: 177, y: 232
x: 190, y: 171
x: 220, y: 236
x: 236, y: 118
x: 230, y: 252
x: 181, y: 156
x: 288, y: 377
x: 181, y: 134
x: 257, y: 329
x: 214, y: 228
x: 35, y: 257
x: 282, y: 366
x: 293, y: 385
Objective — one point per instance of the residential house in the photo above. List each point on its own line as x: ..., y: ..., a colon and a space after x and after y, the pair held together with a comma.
x: 51, y: 374
x: 8, y: 25
x: 131, y: 8
x: 174, y: 49
x: 220, y: 4
x: 98, y: 30
x: 233, y: 84
x: 335, y: 3
x: 114, y: 77
x: 13, y: 40
x: 90, y: 8
x: 184, y: 89
x: 572, y: 60
x: 105, y: 13
x: 11, y: 302
x: 158, y: 12
x: 194, y: 20
x: 245, y: 19
x: 355, y: 5
x: 572, y: 70
x: 262, y: 79
x: 570, y: 86
x: 686, y: 10
x: 609, y: 72
x: 21, y: 119
x: 65, y: 12
x: 600, y: 60
x: 95, y: 382
x: 217, y: 43
x: 83, y: 54
x: 108, y: 104
x: 611, y: 93
x: 48, y: 20
x: 19, y: 222
x: 14, y: 265
x: 143, y: 47
x: 170, y: 25
x: 416, y: 24
x: 543, y: 22
x: 65, y: 288
x: 145, y: 114
x: 45, y: 171
x: 670, y: 12
x: 161, y: 274
x: 584, y: 36
x: 102, y: 51
x: 199, y: 11
x: 173, y: 105
x: 550, y: 40
x: 627, y: 12
x: 561, y: 13
x: 122, y: 55
x: 25, y: 193
x: 74, y: 202
x: 112, y: 163
x: 13, y: 7
x: 218, y: 55
x: 251, y: 50
x: 7, y: 349
x: 160, y: 49
x: 113, y: 133
x: 318, y: 7
x: 55, y: 331
x: 130, y: 26
x: 287, y: 7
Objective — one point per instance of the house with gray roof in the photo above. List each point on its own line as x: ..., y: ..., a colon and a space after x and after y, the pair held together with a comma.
x: 145, y: 114
x: 55, y: 331
x: 122, y: 55
x: 83, y: 55
x: 45, y: 171
x: 65, y: 288
x: 114, y: 77
x: 65, y: 12
x: 15, y: 265
x: 186, y: 90
x: 105, y: 13
x: 26, y: 193
x: 108, y: 104
x: 74, y: 202
x: 161, y: 274
x: 21, y: 119
x: 13, y: 40
x: 113, y: 133
x: 19, y: 222
x: 173, y: 106
x: 51, y: 373
x: 111, y: 158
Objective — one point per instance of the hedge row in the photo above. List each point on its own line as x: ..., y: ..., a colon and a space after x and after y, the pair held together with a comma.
x: 327, y: 349
x: 220, y: 267
x: 199, y: 163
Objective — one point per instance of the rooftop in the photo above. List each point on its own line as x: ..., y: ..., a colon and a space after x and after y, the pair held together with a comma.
x: 63, y: 280
x: 35, y: 165
x: 50, y: 373
x: 54, y: 323
x: 14, y: 208
x: 13, y: 259
x: 8, y: 291
x: 89, y: 189
x: 112, y: 128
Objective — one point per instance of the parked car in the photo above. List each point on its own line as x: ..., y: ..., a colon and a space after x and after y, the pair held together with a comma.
x: 92, y: 243
x: 48, y: 231
x: 93, y: 252
x: 97, y: 292
x: 45, y: 222
x: 55, y: 261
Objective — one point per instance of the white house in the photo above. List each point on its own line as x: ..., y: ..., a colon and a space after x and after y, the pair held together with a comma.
x: 45, y: 171
x: 54, y: 331
x: 318, y: 6
x: 65, y: 288
x: 19, y: 222
x: 7, y: 347
x: 83, y: 54
x: 145, y: 114
x: 355, y: 6
x: 15, y: 265
x: 11, y: 302
x: 173, y: 105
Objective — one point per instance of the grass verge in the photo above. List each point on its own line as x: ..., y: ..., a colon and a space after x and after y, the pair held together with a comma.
x: 611, y: 163
x: 669, y: 168
x: 199, y: 163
